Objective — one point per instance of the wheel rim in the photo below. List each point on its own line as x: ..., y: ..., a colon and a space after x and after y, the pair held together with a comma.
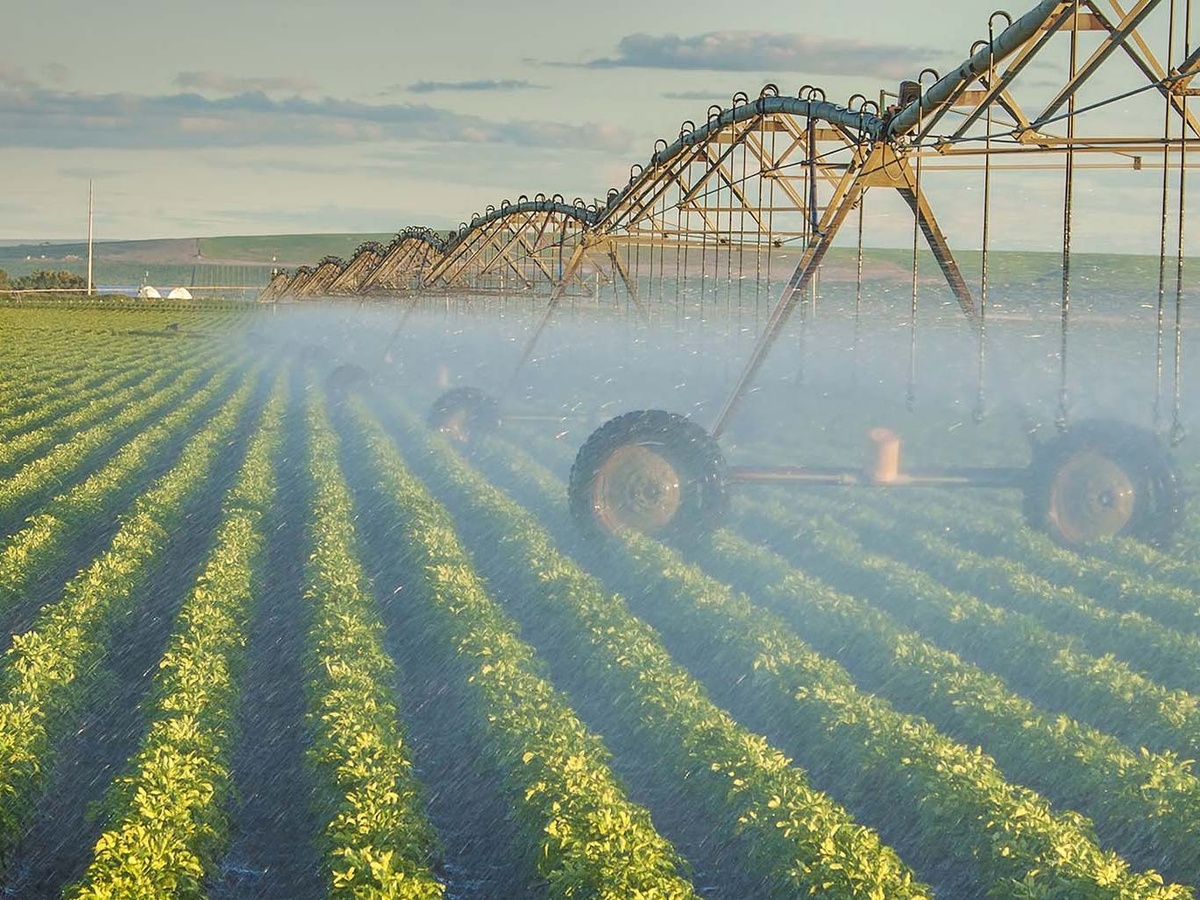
x: 455, y: 426
x: 636, y: 488
x: 1091, y: 497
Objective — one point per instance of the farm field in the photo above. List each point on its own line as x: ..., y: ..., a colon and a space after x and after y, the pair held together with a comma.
x: 265, y: 634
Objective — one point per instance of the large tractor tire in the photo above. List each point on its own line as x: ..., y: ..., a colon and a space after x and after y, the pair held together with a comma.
x: 345, y: 380
x: 464, y: 414
x: 650, y: 471
x: 1103, y: 479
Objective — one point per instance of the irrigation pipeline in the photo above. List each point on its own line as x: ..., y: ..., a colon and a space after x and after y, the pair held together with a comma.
x: 735, y: 217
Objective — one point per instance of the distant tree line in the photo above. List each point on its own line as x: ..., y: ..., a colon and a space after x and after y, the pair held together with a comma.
x: 44, y: 280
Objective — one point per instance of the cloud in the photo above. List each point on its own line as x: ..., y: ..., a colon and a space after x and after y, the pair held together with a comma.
x: 482, y: 84
x: 760, y: 51
x: 14, y: 78
x: 41, y: 117
x: 697, y: 96
x: 221, y: 83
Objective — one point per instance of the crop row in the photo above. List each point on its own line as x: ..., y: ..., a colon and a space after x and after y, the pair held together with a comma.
x: 32, y: 553
x: 1054, y: 667
x: 36, y: 428
x: 85, y: 410
x: 50, y: 379
x: 166, y: 819
x: 1166, y: 587
x: 36, y: 379
x: 1144, y: 802
x: 43, y: 407
x: 67, y: 322
x: 37, y: 478
x: 799, y: 839
x: 954, y: 799
x: 1178, y: 570
x: 377, y: 841
x: 592, y: 840
x: 45, y: 671
x: 1168, y: 655
x: 43, y: 356
x: 1124, y: 575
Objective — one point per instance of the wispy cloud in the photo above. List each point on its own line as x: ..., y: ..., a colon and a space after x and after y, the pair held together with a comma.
x: 482, y: 84
x: 223, y: 83
x: 760, y: 51
x: 41, y: 117
x: 697, y: 96
x: 14, y: 78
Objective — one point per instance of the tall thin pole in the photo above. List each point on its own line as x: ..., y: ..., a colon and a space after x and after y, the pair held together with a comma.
x: 89, y: 277
x: 1062, y: 421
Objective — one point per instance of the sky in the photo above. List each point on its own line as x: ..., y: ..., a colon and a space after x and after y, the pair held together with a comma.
x: 271, y: 117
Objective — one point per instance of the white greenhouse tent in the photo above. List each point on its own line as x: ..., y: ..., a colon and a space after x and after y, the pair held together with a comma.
x: 148, y: 292
x: 179, y: 293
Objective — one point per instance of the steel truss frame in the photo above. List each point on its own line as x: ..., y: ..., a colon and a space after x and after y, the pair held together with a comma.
x: 786, y: 172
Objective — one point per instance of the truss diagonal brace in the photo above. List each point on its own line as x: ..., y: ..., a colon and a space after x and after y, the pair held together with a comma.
x: 884, y: 167
x: 630, y: 283
x: 1117, y: 37
x: 796, y: 286
x: 941, y: 251
x: 577, y: 256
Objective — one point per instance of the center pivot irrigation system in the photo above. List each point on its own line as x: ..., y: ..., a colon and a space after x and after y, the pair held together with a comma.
x: 750, y: 202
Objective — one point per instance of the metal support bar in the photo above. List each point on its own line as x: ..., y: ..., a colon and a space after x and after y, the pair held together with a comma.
x: 984, y: 477
x: 410, y: 306
x: 630, y: 284
x: 516, y: 233
x: 797, y: 284
x: 551, y: 305
x: 1116, y: 38
x: 480, y: 242
x: 941, y: 252
x: 714, y: 165
x: 532, y: 249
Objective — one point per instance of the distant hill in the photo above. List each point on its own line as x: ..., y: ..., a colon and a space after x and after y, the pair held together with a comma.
x: 229, y: 265
x: 287, y: 250
x: 284, y: 250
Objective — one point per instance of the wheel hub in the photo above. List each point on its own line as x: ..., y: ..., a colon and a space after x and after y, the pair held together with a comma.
x: 636, y: 488
x: 456, y: 427
x: 1091, y: 497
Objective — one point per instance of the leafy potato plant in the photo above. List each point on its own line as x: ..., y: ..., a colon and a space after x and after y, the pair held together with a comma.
x: 166, y: 818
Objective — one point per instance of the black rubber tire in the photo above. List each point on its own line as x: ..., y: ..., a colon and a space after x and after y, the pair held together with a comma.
x: 677, y: 457
x: 1137, y: 490
x: 464, y: 414
x: 344, y: 380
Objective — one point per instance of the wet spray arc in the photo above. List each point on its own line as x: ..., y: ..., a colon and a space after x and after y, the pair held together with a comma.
x: 752, y: 200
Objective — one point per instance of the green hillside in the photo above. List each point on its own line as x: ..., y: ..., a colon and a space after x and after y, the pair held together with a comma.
x: 233, y: 266
x: 291, y: 249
